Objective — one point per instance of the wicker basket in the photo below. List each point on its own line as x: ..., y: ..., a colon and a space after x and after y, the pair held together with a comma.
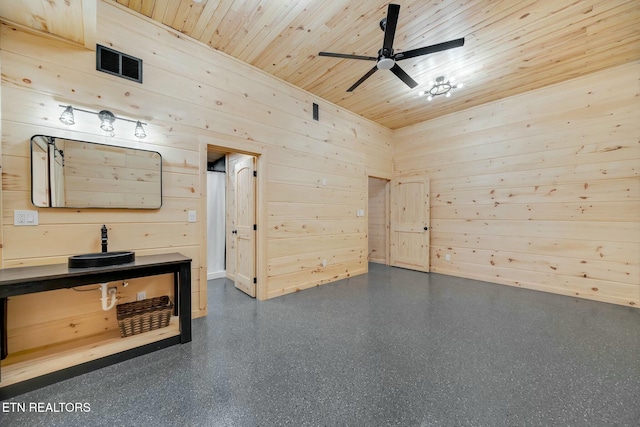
x: 144, y: 316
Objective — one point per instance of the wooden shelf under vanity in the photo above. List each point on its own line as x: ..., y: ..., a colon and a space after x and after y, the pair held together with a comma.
x: 31, y: 364
x: 22, y: 371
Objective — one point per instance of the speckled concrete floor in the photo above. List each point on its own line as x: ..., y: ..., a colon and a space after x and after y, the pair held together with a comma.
x: 393, y: 347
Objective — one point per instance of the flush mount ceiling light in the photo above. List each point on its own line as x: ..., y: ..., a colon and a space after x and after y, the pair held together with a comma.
x: 107, y: 118
x: 440, y: 87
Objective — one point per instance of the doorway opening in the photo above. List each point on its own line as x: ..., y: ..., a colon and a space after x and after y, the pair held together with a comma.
x: 378, y: 220
x: 232, y: 219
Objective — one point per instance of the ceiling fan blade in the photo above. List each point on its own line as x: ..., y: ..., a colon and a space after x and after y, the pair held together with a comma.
x: 429, y: 49
x: 403, y: 76
x: 347, y: 56
x: 390, y: 26
x: 363, y: 78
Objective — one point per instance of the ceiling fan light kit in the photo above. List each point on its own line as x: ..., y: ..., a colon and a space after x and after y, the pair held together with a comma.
x: 385, y: 64
x: 386, y: 59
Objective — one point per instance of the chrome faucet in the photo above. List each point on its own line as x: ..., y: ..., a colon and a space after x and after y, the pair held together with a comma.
x: 104, y: 238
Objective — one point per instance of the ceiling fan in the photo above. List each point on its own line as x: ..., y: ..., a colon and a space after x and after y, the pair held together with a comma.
x: 386, y: 59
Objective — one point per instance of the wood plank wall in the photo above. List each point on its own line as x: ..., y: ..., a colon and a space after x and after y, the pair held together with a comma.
x: 191, y: 96
x: 378, y: 215
x: 540, y: 190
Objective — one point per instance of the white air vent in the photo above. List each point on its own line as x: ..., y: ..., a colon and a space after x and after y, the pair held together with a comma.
x: 118, y: 63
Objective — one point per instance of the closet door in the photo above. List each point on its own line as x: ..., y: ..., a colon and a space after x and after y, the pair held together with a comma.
x: 245, y: 198
x: 410, y: 223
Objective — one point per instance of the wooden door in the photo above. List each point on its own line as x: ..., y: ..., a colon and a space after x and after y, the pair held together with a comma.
x: 245, y: 198
x: 410, y: 223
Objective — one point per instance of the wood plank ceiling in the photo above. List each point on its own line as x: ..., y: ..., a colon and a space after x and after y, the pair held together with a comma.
x: 512, y: 46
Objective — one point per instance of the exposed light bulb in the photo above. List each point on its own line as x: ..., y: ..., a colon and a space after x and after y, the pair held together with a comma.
x: 421, y: 93
x: 459, y: 85
x: 448, y: 94
x: 429, y: 98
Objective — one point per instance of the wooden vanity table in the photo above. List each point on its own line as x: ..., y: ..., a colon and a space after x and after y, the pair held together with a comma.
x: 26, y: 280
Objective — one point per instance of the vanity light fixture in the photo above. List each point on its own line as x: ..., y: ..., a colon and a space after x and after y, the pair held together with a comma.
x: 139, y: 133
x: 67, y: 116
x: 440, y: 87
x: 107, y: 118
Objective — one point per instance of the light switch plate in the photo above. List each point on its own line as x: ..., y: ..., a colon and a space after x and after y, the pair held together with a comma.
x: 25, y: 217
x: 192, y: 216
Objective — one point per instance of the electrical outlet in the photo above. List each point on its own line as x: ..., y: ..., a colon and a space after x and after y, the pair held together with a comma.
x: 191, y: 216
x: 324, y: 181
x: 447, y: 257
x: 25, y: 217
x: 141, y: 295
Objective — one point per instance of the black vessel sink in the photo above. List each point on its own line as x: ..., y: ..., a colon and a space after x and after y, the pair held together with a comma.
x: 101, y: 259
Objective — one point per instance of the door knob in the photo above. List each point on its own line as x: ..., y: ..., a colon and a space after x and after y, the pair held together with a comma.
x: 426, y: 228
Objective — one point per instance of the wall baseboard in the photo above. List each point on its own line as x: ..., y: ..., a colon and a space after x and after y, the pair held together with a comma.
x: 216, y: 275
